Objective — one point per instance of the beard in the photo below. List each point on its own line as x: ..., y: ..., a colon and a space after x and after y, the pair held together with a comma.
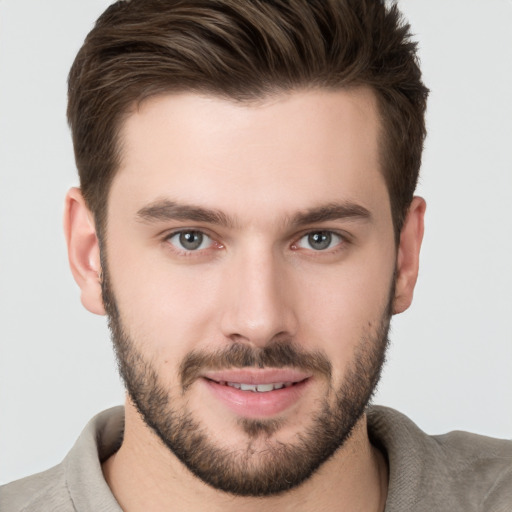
x: 277, y: 466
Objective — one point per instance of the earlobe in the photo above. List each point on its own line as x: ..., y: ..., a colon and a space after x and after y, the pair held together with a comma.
x: 83, y: 250
x: 408, y: 255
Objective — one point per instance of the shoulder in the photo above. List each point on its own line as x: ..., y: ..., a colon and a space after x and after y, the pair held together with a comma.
x: 458, y: 471
x: 482, y: 466
x: 46, y: 491
x: 77, y: 482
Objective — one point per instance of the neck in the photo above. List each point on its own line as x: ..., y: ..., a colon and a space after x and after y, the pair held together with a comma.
x: 145, y: 475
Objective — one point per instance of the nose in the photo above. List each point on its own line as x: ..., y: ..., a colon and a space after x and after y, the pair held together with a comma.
x: 258, y: 301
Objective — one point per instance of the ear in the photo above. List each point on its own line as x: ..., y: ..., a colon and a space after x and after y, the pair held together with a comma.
x: 409, y: 255
x: 83, y: 250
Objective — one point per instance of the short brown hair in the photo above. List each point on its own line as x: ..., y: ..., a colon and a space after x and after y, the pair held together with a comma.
x: 245, y: 50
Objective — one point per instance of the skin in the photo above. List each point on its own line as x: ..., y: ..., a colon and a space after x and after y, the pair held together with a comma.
x: 261, y: 165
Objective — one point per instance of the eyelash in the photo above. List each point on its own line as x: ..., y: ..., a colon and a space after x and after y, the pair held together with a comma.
x: 343, y: 240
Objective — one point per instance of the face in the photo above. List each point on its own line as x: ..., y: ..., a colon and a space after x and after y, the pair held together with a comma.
x: 248, y: 265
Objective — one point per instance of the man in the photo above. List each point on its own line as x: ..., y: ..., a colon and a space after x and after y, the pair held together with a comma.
x: 246, y: 220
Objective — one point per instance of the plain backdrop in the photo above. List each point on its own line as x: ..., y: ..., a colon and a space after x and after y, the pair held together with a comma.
x: 450, y: 363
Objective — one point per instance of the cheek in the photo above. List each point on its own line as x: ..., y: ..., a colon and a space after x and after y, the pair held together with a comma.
x: 166, y: 309
x: 346, y: 307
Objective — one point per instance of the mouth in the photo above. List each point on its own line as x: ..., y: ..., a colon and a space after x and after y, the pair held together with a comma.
x: 258, y: 388
x: 257, y: 393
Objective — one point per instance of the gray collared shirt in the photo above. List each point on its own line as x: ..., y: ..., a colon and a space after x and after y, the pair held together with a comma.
x: 455, y: 472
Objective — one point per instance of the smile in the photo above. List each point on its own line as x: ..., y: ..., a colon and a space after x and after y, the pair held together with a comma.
x: 257, y: 388
x: 257, y: 393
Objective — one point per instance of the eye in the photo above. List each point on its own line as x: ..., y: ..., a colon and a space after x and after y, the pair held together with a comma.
x: 190, y: 240
x: 319, y: 240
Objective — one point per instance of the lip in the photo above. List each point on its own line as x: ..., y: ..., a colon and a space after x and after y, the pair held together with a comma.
x: 254, y: 405
x: 257, y: 376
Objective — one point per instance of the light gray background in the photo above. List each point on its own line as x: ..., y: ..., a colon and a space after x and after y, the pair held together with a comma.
x: 450, y: 362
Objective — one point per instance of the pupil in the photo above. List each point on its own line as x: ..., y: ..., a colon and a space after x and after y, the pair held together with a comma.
x: 320, y: 240
x: 191, y: 240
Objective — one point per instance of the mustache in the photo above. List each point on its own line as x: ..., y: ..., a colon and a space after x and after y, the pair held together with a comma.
x: 277, y: 354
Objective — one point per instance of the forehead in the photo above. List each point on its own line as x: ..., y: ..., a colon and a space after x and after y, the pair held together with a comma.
x: 296, y: 149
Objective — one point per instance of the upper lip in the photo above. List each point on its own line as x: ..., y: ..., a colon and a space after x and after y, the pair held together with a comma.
x: 256, y: 375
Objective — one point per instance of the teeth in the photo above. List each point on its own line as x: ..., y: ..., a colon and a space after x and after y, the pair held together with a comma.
x: 259, y: 388
x: 263, y: 388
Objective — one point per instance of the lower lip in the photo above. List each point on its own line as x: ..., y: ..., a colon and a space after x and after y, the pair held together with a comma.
x: 250, y: 404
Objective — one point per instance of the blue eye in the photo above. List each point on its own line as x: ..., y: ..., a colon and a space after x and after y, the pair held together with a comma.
x: 190, y: 240
x: 320, y: 240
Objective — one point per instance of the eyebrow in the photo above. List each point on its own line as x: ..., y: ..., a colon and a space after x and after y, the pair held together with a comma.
x: 165, y: 210
x: 332, y: 211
